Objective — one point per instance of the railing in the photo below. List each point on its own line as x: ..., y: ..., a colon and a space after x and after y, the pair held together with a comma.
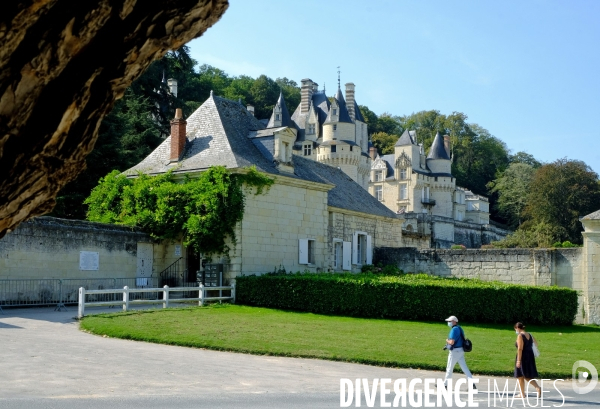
x: 427, y: 201
x: 127, y: 300
x: 61, y: 292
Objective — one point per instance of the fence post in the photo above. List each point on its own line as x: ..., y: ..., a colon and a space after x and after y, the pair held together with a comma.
x: 166, y: 296
x: 233, y: 293
x: 125, y: 298
x: 81, y: 310
x: 201, y: 295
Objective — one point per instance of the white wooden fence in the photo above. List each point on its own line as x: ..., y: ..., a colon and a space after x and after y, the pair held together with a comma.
x: 126, y: 291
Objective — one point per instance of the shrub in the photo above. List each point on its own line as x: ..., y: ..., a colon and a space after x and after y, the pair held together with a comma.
x: 409, y: 297
x: 458, y: 247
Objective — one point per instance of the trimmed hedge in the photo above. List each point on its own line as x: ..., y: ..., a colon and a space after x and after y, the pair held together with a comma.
x: 409, y: 297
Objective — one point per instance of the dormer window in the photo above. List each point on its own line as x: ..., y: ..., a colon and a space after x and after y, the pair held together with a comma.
x: 307, y: 150
x: 403, y: 174
x: 334, y: 111
x: 277, y: 117
x: 311, y: 129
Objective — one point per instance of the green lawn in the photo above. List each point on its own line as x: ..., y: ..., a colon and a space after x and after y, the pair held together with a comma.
x: 371, y: 341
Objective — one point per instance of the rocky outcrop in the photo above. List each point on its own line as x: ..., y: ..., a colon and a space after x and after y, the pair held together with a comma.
x: 63, y: 63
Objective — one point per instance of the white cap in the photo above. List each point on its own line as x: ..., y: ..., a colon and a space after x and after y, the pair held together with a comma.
x: 452, y: 318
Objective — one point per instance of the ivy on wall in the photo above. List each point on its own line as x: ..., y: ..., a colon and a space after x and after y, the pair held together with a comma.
x: 205, y: 210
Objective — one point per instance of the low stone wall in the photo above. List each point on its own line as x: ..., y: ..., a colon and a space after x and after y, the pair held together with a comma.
x: 561, y: 267
x: 473, y: 235
x: 48, y: 247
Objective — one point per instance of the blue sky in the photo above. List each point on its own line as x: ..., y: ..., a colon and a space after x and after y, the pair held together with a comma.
x: 528, y: 71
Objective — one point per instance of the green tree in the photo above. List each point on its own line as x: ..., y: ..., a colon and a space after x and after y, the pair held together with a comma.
x: 524, y: 157
x: 384, y: 142
x: 512, y: 189
x: 370, y: 119
x: 127, y: 135
x: 560, y: 193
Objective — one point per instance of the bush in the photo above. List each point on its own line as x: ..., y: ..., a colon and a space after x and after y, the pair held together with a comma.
x: 409, y: 297
x: 458, y: 247
x: 389, y: 270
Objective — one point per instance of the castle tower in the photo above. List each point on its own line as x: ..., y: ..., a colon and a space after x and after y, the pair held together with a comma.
x: 438, y: 160
x: 280, y: 116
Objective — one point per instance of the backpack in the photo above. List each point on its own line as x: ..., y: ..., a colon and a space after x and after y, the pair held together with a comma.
x: 467, y: 344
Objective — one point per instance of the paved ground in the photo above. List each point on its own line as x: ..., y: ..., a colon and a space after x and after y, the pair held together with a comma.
x: 48, y: 363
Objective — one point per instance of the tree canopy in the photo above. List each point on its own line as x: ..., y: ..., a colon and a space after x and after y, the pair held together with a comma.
x: 140, y: 121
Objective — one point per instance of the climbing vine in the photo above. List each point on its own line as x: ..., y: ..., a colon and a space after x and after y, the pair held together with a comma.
x: 205, y: 209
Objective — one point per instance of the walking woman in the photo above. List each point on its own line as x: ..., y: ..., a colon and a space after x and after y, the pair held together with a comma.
x: 525, y: 369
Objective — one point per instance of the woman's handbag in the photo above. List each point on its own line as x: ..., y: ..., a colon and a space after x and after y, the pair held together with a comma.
x: 536, y: 351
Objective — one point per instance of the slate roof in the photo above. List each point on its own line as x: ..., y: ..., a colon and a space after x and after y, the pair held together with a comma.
x: 343, y: 116
x: 286, y: 120
x: 592, y: 216
x: 347, y: 194
x: 357, y: 113
x: 389, y: 163
x: 223, y: 132
x: 438, y: 150
x: 217, y: 134
x: 407, y: 138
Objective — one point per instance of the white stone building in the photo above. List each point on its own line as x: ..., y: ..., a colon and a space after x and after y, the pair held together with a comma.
x: 315, y: 217
x: 332, y: 133
x: 423, y: 190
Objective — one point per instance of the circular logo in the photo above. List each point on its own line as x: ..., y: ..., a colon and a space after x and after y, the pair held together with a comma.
x: 582, y: 377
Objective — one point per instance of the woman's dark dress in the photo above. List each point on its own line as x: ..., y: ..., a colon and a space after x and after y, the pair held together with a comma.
x: 527, y: 369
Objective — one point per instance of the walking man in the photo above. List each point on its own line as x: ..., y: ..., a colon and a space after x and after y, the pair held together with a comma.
x: 456, y: 354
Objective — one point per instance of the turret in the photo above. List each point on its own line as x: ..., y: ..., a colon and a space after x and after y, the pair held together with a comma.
x: 280, y: 116
x: 438, y: 160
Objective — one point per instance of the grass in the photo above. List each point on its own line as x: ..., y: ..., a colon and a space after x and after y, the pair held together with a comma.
x: 370, y: 341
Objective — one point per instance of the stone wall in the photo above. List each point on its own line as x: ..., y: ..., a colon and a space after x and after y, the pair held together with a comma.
x: 473, y: 235
x: 273, y: 224
x: 385, y: 232
x: 49, y: 247
x: 561, y: 267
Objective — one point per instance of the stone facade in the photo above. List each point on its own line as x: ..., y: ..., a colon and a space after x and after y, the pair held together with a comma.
x: 48, y: 247
x: 295, y: 224
x: 591, y: 267
x: 425, y: 192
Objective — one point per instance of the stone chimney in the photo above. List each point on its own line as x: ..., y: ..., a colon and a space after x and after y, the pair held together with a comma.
x: 447, y: 144
x: 250, y: 109
x: 306, y: 92
x: 178, y: 136
x: 172, y: 83
x: 350, y: 100
x: 373, y: 152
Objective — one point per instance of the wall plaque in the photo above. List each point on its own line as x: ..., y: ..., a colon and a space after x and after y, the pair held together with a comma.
x: 89, y: 260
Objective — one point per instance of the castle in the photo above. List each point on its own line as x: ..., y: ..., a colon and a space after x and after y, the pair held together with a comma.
x: 437, y: 213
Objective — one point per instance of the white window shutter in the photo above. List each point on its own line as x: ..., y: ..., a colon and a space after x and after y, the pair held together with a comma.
x: 355, y: 248
x: 369, y: 250
x: 302, y: 251
x: 346, y: 255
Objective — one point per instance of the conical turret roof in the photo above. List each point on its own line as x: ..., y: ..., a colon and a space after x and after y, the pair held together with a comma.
x: 438, y: 150
x: 286, y: 120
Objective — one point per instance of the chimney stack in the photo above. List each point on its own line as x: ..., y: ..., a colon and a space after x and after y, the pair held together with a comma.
x: 350, y: 100
x: 447, y: 144
x: 373, y: 152
x: 250, y: 109
x: 306, y: 92
x: 178, y: 136
x: 172, y: 83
